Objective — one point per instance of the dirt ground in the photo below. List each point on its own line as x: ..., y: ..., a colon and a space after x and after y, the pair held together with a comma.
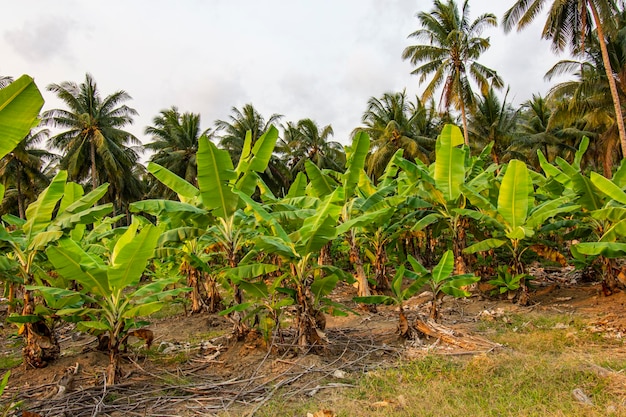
x: 194, y: 368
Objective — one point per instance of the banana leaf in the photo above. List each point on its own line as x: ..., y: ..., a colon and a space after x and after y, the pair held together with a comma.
x: 513, y: 200
x: 608, y: 188
x: 20, y: 103
x: 130, y: 256
x: 450, y: 162
x: 215, y: 173
x: 444, y: 268
x: 185, y: 190
x: 39, y: 213
x: 355, y: 162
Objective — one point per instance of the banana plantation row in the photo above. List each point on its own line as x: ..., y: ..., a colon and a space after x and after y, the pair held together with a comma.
x: 230, y: 246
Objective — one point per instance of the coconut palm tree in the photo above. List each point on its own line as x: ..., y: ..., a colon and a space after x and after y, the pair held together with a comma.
x: 493, y: 120
x: 586, y: 99
x: 5, y: 80
x: 569, y: 23
x: 305, y: 140
x: 175, y: 142
x: 23, y: 171
x: 95, y: 146
x: 393, y: 122
x: 538, y: 130
x: 242, y: 121
x: 453, y: 46
x: 232, y: 134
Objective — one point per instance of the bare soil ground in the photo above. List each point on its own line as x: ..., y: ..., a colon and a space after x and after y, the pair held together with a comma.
x: 193, y: 368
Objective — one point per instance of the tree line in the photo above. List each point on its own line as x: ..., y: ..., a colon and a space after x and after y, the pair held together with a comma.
x: 94, y: 147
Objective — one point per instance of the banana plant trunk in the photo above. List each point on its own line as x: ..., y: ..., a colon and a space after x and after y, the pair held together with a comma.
x: 355, y: 258
x: 610, y: 283
x: 523, y: 298
x: 113, y: 371
x: 193, y: 283
x: 380, y: 268
x: 41, y: 345
x: 459, y: 243
x: 324, y: 257
x: 214, y: 299
x: 308, y: 319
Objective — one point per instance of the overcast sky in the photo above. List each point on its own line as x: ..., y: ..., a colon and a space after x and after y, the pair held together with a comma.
x: 318, y: 59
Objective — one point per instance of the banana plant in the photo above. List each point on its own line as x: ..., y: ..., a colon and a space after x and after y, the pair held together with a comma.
x: 267, y: 300
x: 514, y: 218
x: 441, y: 281
x: 442, y: 184
x: 114, y: 298
x: 217, y: 199
x: 297, y: 251
x: 609, y: 230
x: 60, y: 210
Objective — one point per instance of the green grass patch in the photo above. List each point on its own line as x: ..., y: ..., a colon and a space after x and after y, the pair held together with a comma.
x: 544, y: 360
x: 9, y: 362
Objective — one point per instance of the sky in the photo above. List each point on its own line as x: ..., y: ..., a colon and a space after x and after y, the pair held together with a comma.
x: 317, y: 59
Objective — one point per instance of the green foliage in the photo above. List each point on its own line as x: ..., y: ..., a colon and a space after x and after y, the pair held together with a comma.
x: 507, y: 282
x: 441, y: 280
x: 20, y: 103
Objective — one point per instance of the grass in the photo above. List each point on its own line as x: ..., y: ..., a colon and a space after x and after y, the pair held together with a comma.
x: 544, y: 359
x: 9, y: 362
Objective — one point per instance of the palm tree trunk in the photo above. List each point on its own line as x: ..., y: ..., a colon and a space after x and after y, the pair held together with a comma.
x: 94, y: 173
x: 464, y: 117
x: 619, y: 118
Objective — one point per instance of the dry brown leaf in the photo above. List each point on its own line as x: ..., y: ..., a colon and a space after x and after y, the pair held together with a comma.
x: 325, y: 413
x: 549, y: 254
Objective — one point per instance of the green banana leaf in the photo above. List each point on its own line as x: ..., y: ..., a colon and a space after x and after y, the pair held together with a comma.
x: 215, y: 173
x: 376, y: 217
x: 449, y: 163
x: 547, y: 210
x: 185, y: 190
x: 72, y: 193
x: 157, y: 207
x: 320, y: 229
x: 263, y: 150
x: 608, y: 249
x: 67, y: 261
x: 246, y: 272
x: 484, y: 245
x: 619, y: 178
x: 588, y: 196
x: 444, y: 268
x: 20, y: 103
x: 615, y: 232
x: 514, y: 201
x: 355, y: 162
x: 374, y: 299
x: 130, y: 256
x: 321, y: 183
x: 39, y: 213
x: 298, y: 186
x: 608, y: 188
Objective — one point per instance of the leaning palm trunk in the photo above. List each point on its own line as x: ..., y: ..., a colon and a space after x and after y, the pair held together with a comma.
x: 619, y: 118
